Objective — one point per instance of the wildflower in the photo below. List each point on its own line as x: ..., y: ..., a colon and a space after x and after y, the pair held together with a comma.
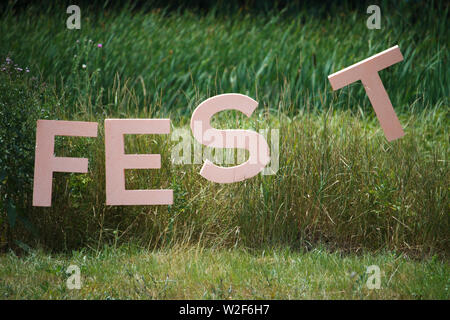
x: 78, y: 41
x: 83, y: 66
x: 27, y: 70
x: 99, y: 45
x: 19, y: 69
x: 8, y: 60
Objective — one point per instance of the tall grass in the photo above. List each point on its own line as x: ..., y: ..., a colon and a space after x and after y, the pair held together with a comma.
x: 281, y: 58
x: 340, y: 183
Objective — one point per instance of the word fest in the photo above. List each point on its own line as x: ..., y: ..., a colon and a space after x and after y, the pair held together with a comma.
x: 116, y: 161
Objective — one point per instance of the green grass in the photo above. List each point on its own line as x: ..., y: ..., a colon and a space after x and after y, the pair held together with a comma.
x: 341, y: 188
x: 340, y: 183
x: 196, y: 273
x: 282, y: 59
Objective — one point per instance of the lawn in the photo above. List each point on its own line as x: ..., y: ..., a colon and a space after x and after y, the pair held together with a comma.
x: 199, y: 273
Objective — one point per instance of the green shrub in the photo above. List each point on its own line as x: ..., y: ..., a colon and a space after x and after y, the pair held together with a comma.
x: 20, y: 106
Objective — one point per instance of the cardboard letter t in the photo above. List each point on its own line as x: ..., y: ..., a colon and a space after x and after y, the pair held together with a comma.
x: 367, y: 72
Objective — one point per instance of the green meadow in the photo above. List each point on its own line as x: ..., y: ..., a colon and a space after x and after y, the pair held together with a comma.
x: 343, y: 197
x: 195, y: 272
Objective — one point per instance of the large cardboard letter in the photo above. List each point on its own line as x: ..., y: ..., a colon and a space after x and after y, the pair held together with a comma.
x: 46, y: 163
x: 246, y: 139
x: 367, y: 72
x: 116, y: 161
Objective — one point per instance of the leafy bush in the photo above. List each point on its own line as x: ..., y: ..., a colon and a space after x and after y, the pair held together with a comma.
x: 20, y: 107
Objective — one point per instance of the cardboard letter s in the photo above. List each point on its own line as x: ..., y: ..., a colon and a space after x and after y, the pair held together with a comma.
x: 246, y: 139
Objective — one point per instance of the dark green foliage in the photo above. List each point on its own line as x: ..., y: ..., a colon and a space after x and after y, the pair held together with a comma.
x: 21, y: 104
x: 275, y: 56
